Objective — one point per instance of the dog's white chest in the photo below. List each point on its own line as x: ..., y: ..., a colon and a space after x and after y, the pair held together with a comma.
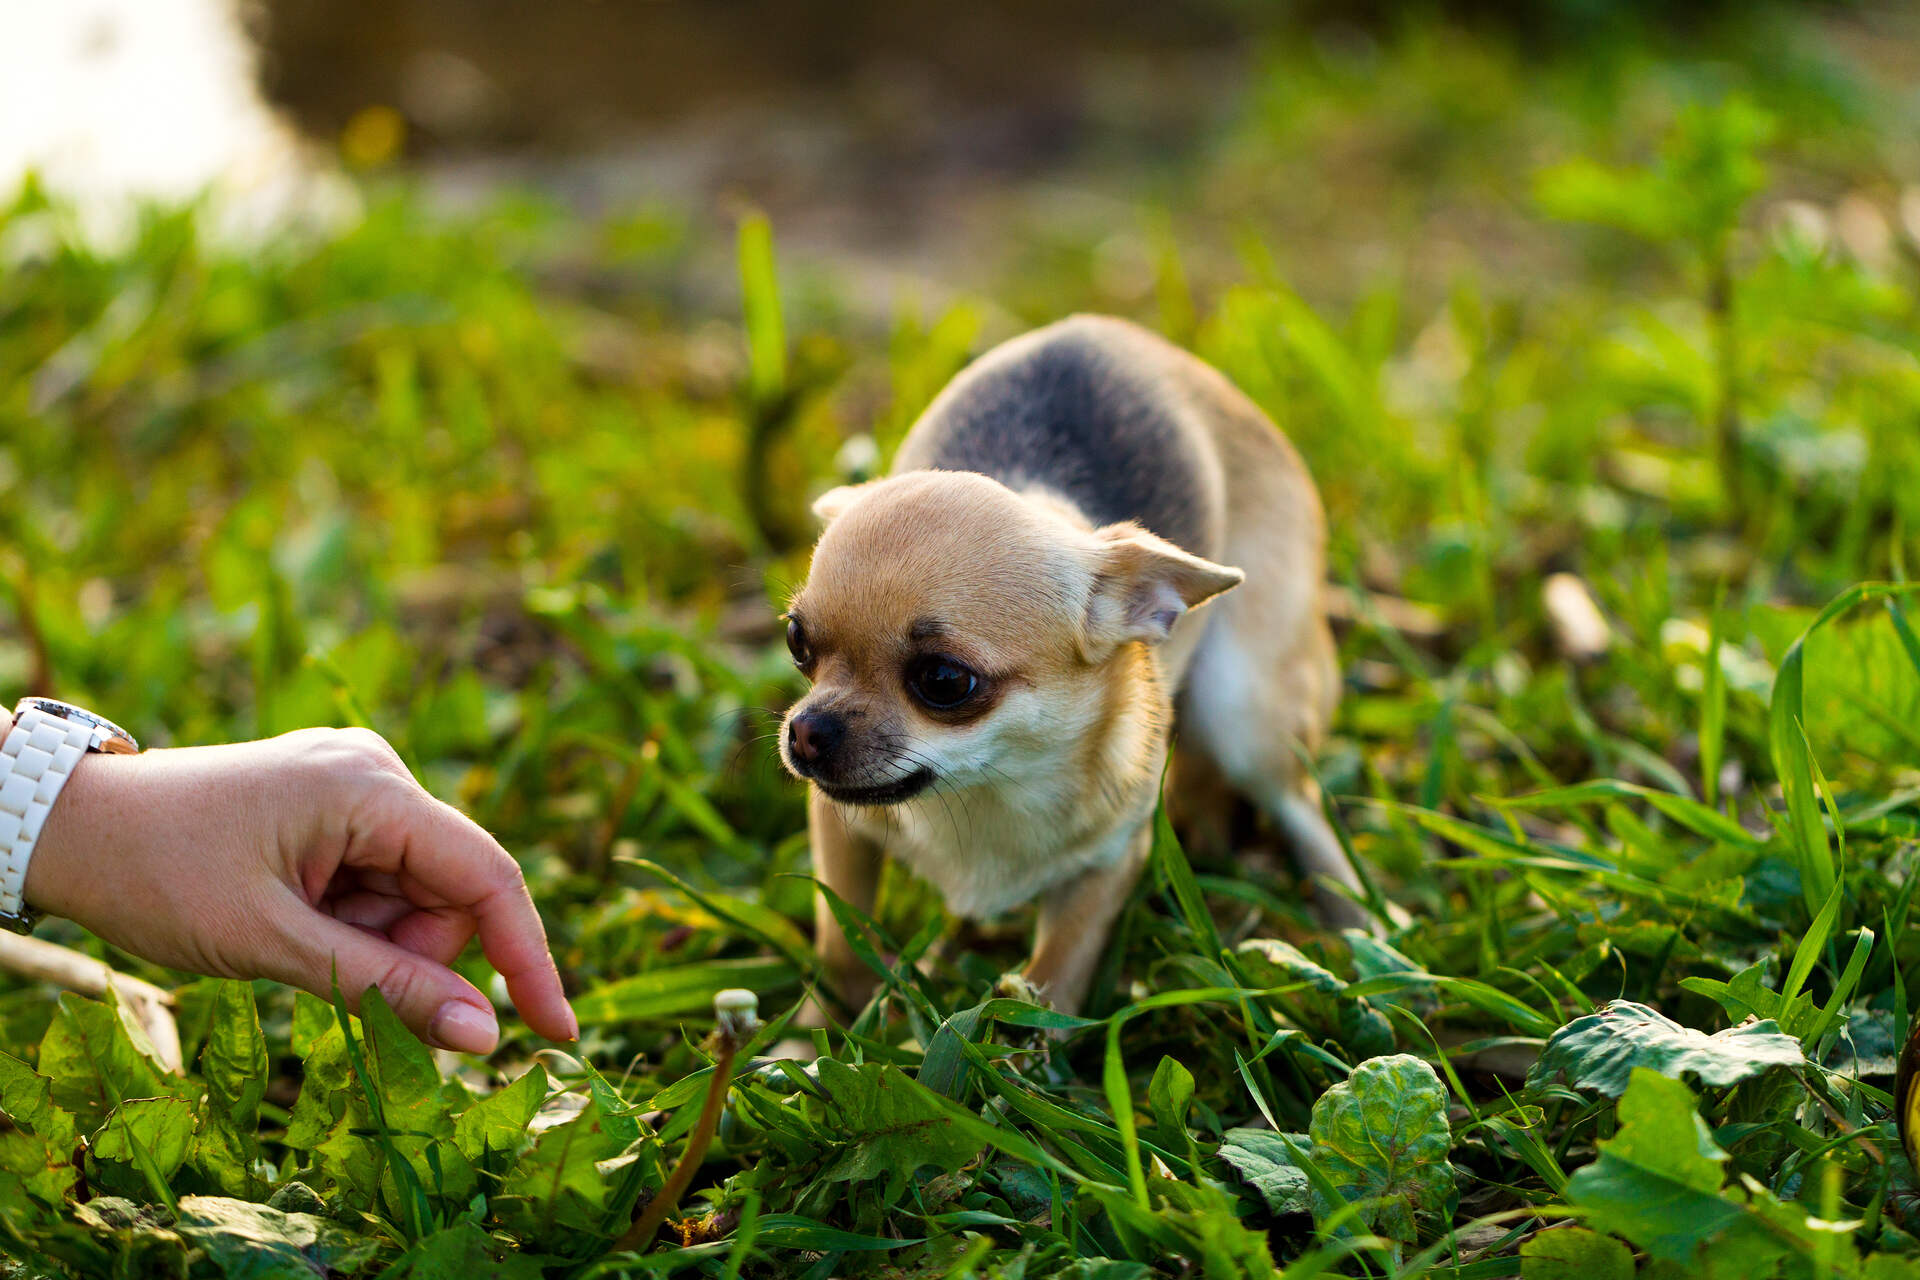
x: 986, y: 858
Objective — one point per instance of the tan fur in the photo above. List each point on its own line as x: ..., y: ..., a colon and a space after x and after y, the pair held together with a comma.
x: 1084, y: 636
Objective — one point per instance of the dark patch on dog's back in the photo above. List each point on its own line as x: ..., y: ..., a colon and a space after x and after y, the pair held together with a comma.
x: 1069, y: 416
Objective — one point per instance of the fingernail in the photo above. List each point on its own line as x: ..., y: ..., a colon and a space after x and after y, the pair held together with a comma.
x: 573, y: 1025
x: 465, y: 1028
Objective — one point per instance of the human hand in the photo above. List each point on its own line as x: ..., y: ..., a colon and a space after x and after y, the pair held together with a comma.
x: 289, y: 858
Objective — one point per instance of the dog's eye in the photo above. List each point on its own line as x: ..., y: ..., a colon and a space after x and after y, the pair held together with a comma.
x: 797, y: 644
x: 941, y: 683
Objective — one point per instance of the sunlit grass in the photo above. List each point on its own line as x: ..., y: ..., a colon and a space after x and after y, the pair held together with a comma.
x: 411, y: 476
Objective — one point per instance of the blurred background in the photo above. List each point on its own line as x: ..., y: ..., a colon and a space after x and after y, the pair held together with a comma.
x: 465, y: 369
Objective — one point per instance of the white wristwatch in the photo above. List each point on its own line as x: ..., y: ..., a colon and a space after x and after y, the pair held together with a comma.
x: 36, y: 759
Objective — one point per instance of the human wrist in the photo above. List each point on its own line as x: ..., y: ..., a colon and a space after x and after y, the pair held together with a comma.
x: 41, y: 749
x: 76, y: 833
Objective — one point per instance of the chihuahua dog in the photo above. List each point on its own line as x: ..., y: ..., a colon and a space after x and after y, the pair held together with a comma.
x: 1001, y: 634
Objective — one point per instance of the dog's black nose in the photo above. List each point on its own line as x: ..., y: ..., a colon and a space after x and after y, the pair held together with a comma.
x: 813, y: 735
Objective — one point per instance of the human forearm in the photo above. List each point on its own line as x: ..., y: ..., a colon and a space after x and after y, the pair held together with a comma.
x: 292, y: 859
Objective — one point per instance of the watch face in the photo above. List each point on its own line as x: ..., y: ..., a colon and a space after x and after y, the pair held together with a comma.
x: 67, y: 711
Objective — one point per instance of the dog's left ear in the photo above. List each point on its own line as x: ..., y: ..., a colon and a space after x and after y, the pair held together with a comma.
x: 828, y: 506
x: 1142, y: 585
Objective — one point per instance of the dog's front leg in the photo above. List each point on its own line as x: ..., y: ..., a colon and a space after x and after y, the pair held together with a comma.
x: 1075, y: 920
x: 849, y: 864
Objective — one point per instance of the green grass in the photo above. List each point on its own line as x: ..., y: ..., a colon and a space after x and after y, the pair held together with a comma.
x: 412, y: 474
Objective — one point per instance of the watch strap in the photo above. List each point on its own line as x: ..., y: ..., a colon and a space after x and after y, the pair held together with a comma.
x: 36, y: 759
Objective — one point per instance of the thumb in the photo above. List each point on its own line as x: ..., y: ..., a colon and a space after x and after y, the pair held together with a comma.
x: 437, y: 1004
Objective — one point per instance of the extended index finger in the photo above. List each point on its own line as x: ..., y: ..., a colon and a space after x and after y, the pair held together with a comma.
x: 450, y: 857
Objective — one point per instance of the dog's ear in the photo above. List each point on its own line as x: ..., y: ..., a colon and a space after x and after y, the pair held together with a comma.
x: 1142, y: 584
x: 830, y: 504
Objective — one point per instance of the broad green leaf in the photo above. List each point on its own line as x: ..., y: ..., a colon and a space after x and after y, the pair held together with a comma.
x: 225, y: 1158
x: 944, y: 1068
x: 1601, y: 1050
x: 162, y: 1128
x: 326, y: 1087
x: 1775, y: 1230
x: 1170, y: 1093
x: 297, y: 1197
x: 404, y: 1069
x: 96, y: 1057
x: 465, y: 1252
x: 1047, y: 1115
x: 1373, y: 958
x: 1280, y: 963
x: 1657, y: 1182
x: 558, y: 1189
x: 890, y: 1126
x: 1364, y: 1030
x: 252, y: 1242
x: 38, y: 1141
x: 234, y: 1061
x: 1749, y: 996
x: 26, y: 1098
x: 405, y: 1121
x: 1574, y: 1253
x: 1382, y: 1137
x: 313, y: 1021
x: 115, y: 1236
x: 32, y: 1168
x: 497, y: 1124
x: 1270, y: 1162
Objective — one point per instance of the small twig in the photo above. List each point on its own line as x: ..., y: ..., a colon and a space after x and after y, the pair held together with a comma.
x: 737, y: 1013
x: 151, y: 1006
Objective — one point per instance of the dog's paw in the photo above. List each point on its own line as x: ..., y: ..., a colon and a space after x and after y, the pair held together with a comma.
x: 1013, y: 985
